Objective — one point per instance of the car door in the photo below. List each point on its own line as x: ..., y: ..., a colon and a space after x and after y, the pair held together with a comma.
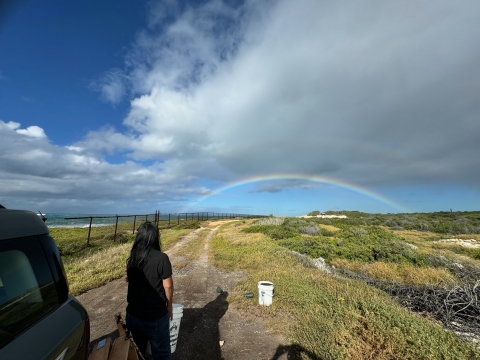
x: 34, y: 323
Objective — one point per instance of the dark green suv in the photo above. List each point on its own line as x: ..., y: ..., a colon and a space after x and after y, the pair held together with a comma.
x: 38, y: 317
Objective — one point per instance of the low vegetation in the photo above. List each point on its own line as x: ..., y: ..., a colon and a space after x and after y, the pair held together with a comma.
x: 330, y: 316
x: 400, y: 273
x: 193, y: 249
x: 461, y: 222
x: 390, y: 293
x: 102, y: 260
x: 187, y: 225
x: 358, y: 241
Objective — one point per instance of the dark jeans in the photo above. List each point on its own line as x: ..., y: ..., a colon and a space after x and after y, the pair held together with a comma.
x: 155, y: 331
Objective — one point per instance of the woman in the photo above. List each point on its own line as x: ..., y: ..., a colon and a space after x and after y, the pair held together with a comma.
x: 150, y: 293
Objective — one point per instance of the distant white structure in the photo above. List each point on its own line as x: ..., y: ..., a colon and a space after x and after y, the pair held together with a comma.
x: 324, y: 216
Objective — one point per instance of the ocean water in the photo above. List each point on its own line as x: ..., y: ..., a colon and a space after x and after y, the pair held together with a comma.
x: 64, y: 221
x: 55, y: 220
x: 61, y: 220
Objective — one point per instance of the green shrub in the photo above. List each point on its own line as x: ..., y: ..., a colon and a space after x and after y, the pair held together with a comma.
x: 187, y: 225
x: 274, y: 231
x: 466, y: 222
x: 359, y: 243
x: 311, y: 229
x: 325, y: 232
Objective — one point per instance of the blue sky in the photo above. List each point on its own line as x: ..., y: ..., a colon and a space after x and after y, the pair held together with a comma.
x: 131, y: 106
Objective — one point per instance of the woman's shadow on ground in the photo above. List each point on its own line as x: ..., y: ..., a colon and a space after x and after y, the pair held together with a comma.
x: 199, y: 336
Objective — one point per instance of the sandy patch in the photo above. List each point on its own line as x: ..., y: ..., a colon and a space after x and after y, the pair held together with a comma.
x: 469, y: 243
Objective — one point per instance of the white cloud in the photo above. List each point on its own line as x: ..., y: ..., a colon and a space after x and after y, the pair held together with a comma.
x: 32, y: 131
x: 111, y: 86
x: 37, y: 172
x: 367, y: 92
x: 74, y: 148
x: 375, y: 94
x: 10, y: 125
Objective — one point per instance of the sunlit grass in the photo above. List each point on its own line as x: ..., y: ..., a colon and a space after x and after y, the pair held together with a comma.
x: 169, y: 237
x: 91, y: 271
x: 103, y: 260
x: 329, y: 227
x: 73, y: 241
x: 193, y: 249
x: 401, y: 273
x: 333, y: 318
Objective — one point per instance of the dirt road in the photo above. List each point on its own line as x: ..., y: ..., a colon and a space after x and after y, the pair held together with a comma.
x: 208, y: 320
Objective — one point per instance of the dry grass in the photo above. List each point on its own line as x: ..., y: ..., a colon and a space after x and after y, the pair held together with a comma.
x: 180, y: 264
x: 331, y: 317
x: 102, y: 261
x: 194, y: 248
x: 169, y: 237
x: 329, y: 227
x: 418, y: 238
x: 91, y: 271
x: 270, y: 221
x: 401, y: 273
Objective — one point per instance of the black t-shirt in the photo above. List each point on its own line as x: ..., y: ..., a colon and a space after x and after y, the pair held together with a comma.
x: 146, y: 295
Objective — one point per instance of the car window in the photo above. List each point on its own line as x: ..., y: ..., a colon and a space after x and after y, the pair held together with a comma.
x: 27, y: 290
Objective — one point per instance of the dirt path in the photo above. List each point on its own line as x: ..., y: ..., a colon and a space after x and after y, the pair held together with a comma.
x: 207, y: 317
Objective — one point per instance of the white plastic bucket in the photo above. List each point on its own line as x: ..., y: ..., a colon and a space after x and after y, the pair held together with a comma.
x: 265, y: 293
x: 174, y: 328
x: 175, y: 325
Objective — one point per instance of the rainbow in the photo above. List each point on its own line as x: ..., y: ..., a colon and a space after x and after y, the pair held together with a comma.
x: 317, y: 179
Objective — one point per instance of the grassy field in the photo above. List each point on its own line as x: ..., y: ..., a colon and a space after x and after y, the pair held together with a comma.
x: 332, y: 316
x: 102, y: 260
x: 193, y: 249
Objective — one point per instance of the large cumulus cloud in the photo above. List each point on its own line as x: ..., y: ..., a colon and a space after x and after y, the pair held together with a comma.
x: 34, y: 171
x: 369, y: 92
x: 375, y: 93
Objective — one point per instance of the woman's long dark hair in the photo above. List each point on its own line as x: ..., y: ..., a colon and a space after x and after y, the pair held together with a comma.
x: 147, y: 238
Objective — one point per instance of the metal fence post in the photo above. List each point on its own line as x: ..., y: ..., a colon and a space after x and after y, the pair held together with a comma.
x: 89, y: 229
x: 116, y: 224
x: 205, y: 215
